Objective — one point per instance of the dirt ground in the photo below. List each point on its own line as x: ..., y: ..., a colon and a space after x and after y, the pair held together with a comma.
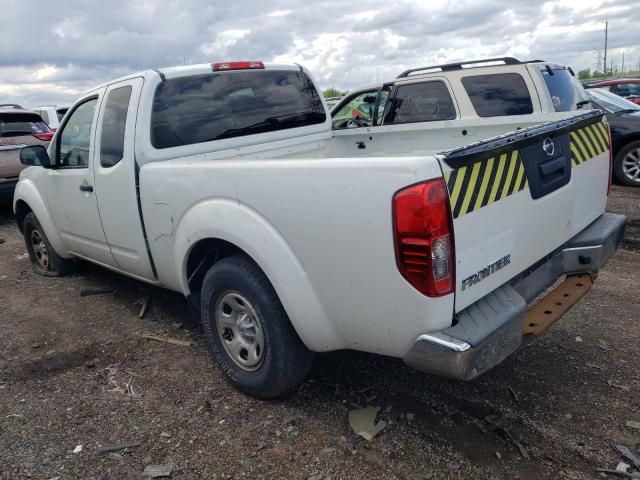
x: 75, y: 371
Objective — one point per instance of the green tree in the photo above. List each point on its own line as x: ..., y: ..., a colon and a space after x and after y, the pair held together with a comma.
x: 333, y: 92
x: 584, y: 74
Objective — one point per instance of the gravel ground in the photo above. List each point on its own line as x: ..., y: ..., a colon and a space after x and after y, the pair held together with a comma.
x: 75, y: 371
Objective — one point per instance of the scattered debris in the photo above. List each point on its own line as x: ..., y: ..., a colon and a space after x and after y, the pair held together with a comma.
x: 36, y: 345
x: 86, y: 292
x: 633, y: 424
x: 578, y: 339
x: 117, y: 448
x: 498, y: 456
x: 411, y: 416
x: 22, y: 256
x: 362, y: 422
x: 622, y: 467
x: 490, y: 419
x: 78, y: 449
x: 513, y: 393
x: 172, y: 341
x: 615, y: 384
x: 568, y: 416
x: 630, y: 455
x: 205, y: 406
x: 165, y: 435
x: 603, y: 345
x: 144, y: 303
x: 593, y: 365
x: 260, y: 446
x: 618, y: 473
x: 115, y: 456
x: 328, y: 450
x: 158, y: 471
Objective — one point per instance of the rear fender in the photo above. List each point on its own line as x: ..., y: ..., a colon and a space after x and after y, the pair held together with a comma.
x: 245, y: 228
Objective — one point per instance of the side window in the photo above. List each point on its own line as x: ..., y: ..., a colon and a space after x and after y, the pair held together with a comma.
x: 634, y: 89
x: 74, y: 143
x: 623, y: 90
x: 357, y: 112
x: 421, y: 102
x: 113, y: 126
x: 44, y: 115
x: 498, y: 94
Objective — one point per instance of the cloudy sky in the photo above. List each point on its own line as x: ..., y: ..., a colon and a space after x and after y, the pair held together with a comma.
x: 52, y: 51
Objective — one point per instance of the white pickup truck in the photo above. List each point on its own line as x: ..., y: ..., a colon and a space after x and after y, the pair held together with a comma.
x: 227, y: 183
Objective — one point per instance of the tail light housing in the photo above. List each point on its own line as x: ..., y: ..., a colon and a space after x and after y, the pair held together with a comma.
x: 610, y: 158
x: 45, y: 137
x: 423, y: 233
x: 224, y: 66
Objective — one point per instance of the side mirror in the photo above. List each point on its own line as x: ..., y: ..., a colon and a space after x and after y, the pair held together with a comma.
x: 369, y: 99
x: 35, y: 156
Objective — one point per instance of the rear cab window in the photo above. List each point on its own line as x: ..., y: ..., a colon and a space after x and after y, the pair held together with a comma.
x: 428, y: 101
x: 206, y: 107
x: 498, y: 94
x: 564, y: 90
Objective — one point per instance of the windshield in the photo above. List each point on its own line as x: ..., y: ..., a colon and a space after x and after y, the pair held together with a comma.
x: 610, y: 101
x: 566, y: 93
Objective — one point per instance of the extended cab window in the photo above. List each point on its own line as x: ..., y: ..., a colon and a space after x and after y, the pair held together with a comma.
x: 498, y: 94
x: 421, y: 102
x: 201, y: 108
x: 564, y: 92
x: 74, y: 142
x: 113, y: 126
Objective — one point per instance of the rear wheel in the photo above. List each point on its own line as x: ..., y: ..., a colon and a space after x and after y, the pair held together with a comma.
x: 248, y: 331
x: 627, y: 165
x: 44, y: 259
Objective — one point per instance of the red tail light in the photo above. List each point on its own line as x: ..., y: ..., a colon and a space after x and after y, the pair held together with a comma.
x: 45, y: 137
x: 609, y: 178
x: 223, y: 66
x: 424, y: 237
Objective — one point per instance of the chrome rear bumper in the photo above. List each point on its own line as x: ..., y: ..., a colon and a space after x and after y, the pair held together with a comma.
x: 491, y: 329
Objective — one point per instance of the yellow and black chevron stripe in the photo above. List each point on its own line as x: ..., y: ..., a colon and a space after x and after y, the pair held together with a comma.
x: 482, y: 183
x: 588, y: 142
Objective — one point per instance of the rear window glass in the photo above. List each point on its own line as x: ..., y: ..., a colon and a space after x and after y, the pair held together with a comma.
x: 202, y: 108
x: 421, y: 102
x: 13, y: 124
x: 562, y: 89
x: 499, y: 94
x: 113, y: 126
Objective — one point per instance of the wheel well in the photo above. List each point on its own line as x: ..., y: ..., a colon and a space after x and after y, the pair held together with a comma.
x: 22, y: 209
x: 202, y: 256
x: 626, y: 140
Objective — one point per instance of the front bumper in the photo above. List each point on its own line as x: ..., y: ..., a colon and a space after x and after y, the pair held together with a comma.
x: 492, y: 328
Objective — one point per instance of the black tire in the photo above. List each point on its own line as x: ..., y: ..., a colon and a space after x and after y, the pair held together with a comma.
x: 44, y: 259
x: 618, y: 166
x: 285, y: 359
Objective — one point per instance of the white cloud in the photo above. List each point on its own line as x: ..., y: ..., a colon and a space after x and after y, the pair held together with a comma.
x: 76, y: 44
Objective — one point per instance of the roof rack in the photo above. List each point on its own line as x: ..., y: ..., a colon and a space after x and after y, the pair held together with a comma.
x: 10, y: 105
x: 458, y: 65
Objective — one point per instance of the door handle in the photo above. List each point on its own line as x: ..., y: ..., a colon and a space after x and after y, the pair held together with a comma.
x: 85, y: 187
x: 361, y: 145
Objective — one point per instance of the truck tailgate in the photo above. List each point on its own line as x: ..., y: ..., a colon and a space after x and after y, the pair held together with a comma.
x: 518, y: 197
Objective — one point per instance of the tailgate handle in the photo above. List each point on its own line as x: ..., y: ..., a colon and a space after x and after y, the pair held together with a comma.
x: 552, y: 166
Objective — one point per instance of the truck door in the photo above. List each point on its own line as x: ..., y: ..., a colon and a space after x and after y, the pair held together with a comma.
x: 115, y: 177
x: 69, y: 186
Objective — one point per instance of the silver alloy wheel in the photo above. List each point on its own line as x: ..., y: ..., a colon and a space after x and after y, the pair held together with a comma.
x: 40, y: 249
x: 240, y: 330
x: 631, y: 165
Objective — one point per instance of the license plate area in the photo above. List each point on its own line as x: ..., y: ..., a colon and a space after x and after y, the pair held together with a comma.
x: 548, y: 164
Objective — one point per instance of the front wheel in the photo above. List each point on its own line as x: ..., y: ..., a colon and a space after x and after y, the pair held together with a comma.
x: 44, y: 259
x: 627, y: 165
x: 248, y: 331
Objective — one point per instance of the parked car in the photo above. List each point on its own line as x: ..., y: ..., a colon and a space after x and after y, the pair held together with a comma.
x: 628, y: 88
x: 51, y: 115
x: 226, y: 182
x: 18, y: 128
x: 624, y: 121
x: 437, y: 107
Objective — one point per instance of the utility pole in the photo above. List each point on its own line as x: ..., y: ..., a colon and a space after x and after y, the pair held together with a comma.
x: 606, y: 32
x: 623, y: 63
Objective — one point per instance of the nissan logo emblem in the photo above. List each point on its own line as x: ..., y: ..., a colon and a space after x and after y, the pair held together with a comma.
x: 548, y: 146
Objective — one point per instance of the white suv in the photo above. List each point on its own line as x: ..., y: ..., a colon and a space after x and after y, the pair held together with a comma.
x: 51, y: 115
